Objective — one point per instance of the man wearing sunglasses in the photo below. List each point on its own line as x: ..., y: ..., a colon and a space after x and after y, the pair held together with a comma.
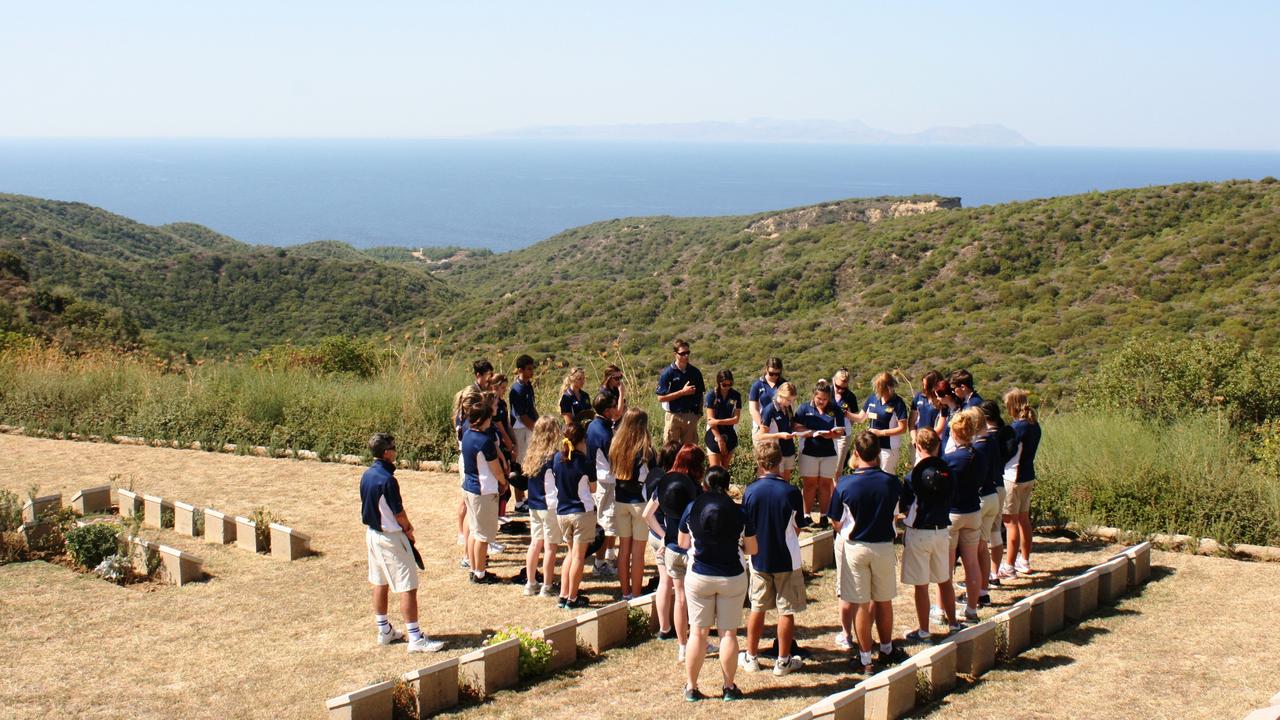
x: 680, y: 390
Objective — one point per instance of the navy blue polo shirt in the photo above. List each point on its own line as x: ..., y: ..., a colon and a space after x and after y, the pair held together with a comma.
x: 379, y: 483
x: 478, y: 448
x: 965, y: 482
x: 974, y: 400
x: 573, y: 483
x: 945, y: 435
x: 723, y: 407
x: 884, y: 416
x: 572, y: 403
x: 845, y: 401
x: 865, y: 502
x: 774, y: 511
x: 762, y: 392
x: 926, y: 413
x: 541, y: 484
x: 926, y: 512
x: 809, y: 417
x: 774, y: 420
x: 632, y: 491
x: 502, y: 417
x: 521, y: 397
x: 987, y: 465
x: 1029, y: 439
x: 599, y: 438
x: 674, y: 493
x: 673, y: 379
x: 716, y: 524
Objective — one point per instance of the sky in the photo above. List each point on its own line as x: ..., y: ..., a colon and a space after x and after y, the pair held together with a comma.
x: 1103, y: 74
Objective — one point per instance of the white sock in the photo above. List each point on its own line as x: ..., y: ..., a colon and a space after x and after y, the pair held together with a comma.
x: 924, y: 633
x: 886, y: 648
x: 478, y: 573
x: 414, y: 632
x: 384, y: 626
x: 865, y: 657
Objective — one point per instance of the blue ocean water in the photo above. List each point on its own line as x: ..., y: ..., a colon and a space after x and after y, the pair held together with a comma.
x: 504, y: 194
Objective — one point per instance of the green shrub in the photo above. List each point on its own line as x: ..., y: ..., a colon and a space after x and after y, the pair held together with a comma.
x: 535, y: 653
x: 10, y: 511
x: 262, y: 519
x: 90, y: 544
x: 637, y: 624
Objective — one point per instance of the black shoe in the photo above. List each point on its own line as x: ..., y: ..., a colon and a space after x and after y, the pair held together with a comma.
x: 668, y: 635
x: 522, y: 508
x: 894, y: 657
x: 693, y: 695
x: 652, y: 586
x: 865, y: 670
x: 487, y: 579
x: 732, y: 693
x: 824, y: 523
x: 563, y: 603
x: 579, y: 602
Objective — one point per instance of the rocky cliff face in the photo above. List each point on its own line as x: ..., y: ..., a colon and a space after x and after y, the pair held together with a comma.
x: 869, y: 211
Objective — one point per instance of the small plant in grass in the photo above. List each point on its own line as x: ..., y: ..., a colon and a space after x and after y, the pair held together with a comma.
x: 637, y: 624
x: 924, y: 688
x: 115, y: 568
x: 1002, y: 642
x: 10, y: 511
x: 262, y: 519
x: 535, y: 653
x: 90, y: 544
x: 166, y: 517
x: 197, y: 523
x: 404, y: 701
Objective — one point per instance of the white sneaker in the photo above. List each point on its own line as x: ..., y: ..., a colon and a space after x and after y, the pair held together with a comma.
x: 680, y: 654
x: 1021, y: 565
x: 842, y: 641
x: 465, y: 564
x: 937, y: 616
x: 531, y: 589
x: 548, y: 591
x: 792, y: 664
x: 392, y: 635
x: 497, y: 547
x: 425, y: 645
x: 1007, y: 572
x: 748, y: 663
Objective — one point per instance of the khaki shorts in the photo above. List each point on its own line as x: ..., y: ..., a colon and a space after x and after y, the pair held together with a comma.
x: 577, y: 527
x: 926, y: 556
x: 656, y: 547
x: 521, y: 437
x: 788, y: 463
x: 682, y: 428
x: 811, y: 466
x: 964, y: 529
x: 990, y: 510
x: 715, y: 601
x: 605, y: 509
x: 783, y: 591
x: 390, y: 560
x: 867, y: 572
x: 482, y: 514
x: 628, y: 521
x: 543, y: 526
x: 676, y: 564
x: 1017, y: 499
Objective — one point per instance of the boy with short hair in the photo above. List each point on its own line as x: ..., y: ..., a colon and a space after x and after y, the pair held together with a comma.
x: 599, y: 440
x: 389, y: 540
x: 862, y: 512
x: 962, y: 385
x: 926, y: 552
x: 524, y: 412
x: 774, y: 512
x: 482, y: 482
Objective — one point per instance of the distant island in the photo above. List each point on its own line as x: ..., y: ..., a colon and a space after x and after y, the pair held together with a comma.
x: 769, y: 130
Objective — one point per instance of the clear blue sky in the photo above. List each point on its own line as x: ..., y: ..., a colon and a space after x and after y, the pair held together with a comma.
x: 1138, y: 74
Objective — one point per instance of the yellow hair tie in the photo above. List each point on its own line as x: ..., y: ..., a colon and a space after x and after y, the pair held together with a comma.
x: 568, y: 446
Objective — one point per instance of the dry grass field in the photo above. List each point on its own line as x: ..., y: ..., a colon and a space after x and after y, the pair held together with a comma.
x: 266, y: 638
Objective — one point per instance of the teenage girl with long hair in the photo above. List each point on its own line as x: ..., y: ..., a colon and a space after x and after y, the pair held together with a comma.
x: 575, y: 480
x: 573, y: 399
x: 776, y: 424
x: 632, y: 458
x: 1019, y: 479
x: 544, y: 530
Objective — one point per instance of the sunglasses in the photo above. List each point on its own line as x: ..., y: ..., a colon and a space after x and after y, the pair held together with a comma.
x: 773, y: 374
x: 726, y: 384
x: 842, y: 388
x: 683, y: 353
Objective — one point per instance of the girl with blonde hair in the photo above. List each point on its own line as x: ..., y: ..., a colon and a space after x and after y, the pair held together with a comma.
x: 632, y: 458
x: 776, y: 424
x: 544, y: 530
x: 888, y: 415
x: 966, y: 511
x: 573, y: 399
x: 1019, y: 479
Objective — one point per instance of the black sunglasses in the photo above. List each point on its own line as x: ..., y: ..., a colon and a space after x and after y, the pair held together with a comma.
x: 683, y: 353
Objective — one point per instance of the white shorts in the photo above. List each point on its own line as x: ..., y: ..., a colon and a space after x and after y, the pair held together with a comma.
x: 811, y: 466
x: 889, y: 460
x: 991, y: 507
x: 926, y: 556
x: 390, y: 560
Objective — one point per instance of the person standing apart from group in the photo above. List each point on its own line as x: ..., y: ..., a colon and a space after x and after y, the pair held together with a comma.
x: 773, y: 511
x: 681, y: 390
x: 760, y: 394
x: 388, y: 538
x: 1019, y: 479
x: 724, y: 408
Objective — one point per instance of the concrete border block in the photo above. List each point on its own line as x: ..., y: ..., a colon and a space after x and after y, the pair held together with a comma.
x: 808, y: 715
x: 34, y: 509
x: 603, y: 628
x: 184, y: 518
x: 1266, y: 713
x: 975, y: 648
x: 1080, y: 596
x: 289, y: 544
x: 368, y: 703
x: 938, y: 664
x: 149, y: 555
x: 491, y: 668
x: 1017, y: 628
x: 129, y: 502
x: 1139, y: 563
x: 563, y: 637
x: 218, y: 528
x: 35, y: 533
x: 247, y: 535
x: 436, y: 686
x: 89, y: 501
x: 153, y: 511
x: 845, y: 705
x: 891, y: 693
x: 1046, y: 611
x: 818, y: 551
x: 1113, y: 579
x: 647, y: 603
x: 180, y: 567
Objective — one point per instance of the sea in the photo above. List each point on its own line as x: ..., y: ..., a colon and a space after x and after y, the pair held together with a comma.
x: 507, y: 194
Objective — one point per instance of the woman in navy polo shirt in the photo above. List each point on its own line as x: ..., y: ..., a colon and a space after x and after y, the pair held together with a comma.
x: 823, y: 422
x: 923, y: 410
x: 673, y: 494
x: 724, y: 406
x: 776, y: 424
x: 573, y: 399
x: 888, y: 415
x: 654, y: 518
x: 713, y: 526
x: 544, y: 529
x: 762, y: 390
x: 1019, y: 479
x: 966, y: 505
x: 631, y: 458
x: 847, y: 403
x: 575, y: 480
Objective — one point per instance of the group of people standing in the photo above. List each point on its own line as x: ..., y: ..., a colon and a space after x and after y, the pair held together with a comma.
x: 592, y: 481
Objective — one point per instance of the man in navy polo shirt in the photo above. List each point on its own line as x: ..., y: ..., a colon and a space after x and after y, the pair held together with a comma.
x: 862, y: 512
x: 774, y: 512
x: 680, y: 390
x: 524, y: 412
x: 388, y: 537
x: 599, y: 440
x: 962, y: 384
